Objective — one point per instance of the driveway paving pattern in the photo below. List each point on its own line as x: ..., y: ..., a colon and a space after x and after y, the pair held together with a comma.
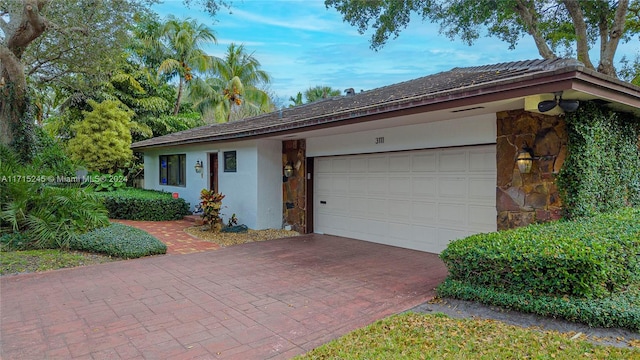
x: 263, y: 300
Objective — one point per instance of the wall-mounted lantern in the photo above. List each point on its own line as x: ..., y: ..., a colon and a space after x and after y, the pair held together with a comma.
x: 199, y: 167
x: 288, y: 170
x: 524, y: 160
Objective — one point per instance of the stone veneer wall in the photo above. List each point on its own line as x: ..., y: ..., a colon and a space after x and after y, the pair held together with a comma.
x: 294, y: 197
x: 523, y: 199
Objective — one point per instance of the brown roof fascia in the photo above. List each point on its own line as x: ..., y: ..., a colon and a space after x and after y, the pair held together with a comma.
x: 530, y: 84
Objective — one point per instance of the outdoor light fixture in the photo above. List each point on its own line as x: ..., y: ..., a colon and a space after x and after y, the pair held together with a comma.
x: 198, y: 167
x: 524, y: 160
x: 566, y: 105
x: 288, y: 170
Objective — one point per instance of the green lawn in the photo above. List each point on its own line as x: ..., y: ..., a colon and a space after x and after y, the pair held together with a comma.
x: 437, y: 336
x: 14, y: 262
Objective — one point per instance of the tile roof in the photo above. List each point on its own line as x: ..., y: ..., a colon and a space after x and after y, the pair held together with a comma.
x: 383, y: 99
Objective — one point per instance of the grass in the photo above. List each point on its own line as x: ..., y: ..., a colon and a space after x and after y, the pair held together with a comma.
x: 16, y: 262
x: 437, y: 336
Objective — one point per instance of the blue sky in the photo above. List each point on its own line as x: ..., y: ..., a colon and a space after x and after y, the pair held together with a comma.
x: 302, y: 44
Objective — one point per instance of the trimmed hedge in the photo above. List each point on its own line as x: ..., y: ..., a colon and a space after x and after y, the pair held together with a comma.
x: 139, y: 204
x: 619, y: 311
x: 585, y: 258
x: 121, y: 241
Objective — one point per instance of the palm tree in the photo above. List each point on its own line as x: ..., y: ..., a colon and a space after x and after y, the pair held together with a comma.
x: 234, y: 90
x: 297, y: 100
x: 184, y: 38
x: 319, y: 92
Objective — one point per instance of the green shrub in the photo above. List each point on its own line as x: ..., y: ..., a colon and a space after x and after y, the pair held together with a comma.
x: 121, y: 241
x: 107, y: 182
x: 138, y: 204
x: 586, y: 258
x: 49, y: 217
x: 620, y: 310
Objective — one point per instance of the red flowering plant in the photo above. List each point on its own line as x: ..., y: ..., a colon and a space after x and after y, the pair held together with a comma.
x: 211, y: 204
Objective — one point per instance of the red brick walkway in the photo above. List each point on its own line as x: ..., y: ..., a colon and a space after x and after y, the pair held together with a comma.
x: 264, y: 300
x: 172, y: 234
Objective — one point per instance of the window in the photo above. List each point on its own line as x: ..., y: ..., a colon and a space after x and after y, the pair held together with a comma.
x: 230, y: 161
x: 173, y: 170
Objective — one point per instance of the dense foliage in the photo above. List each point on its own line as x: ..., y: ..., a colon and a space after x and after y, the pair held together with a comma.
x: 557, y: 27
x: 587, y: 257
x: 103, y: 138
x: 121, y: 241
x: 586, y: 270
x: 602, y: 171
x: 138, y: 204
x: 36, y: 214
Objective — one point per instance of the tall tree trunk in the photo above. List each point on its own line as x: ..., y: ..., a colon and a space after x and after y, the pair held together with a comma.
x: 13, y: 90
x: 176, y: 108
x: 612, y: 39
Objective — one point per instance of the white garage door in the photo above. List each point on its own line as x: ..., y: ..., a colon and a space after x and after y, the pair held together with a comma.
x: 415, y: 199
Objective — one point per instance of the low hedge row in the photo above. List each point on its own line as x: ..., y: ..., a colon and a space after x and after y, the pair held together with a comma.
x: 616, y: 311
x: 139, y: 204
x: 585, y: 258
x: 120, y: 241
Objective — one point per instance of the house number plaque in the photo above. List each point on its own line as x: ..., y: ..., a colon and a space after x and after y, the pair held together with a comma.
x: 380, y: 140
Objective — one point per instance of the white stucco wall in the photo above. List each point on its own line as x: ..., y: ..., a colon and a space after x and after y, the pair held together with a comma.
x: 241, y: 188
x: 457, y: 132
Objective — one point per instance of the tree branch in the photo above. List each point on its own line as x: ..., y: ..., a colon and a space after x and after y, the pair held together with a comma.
x: 582, y: 41
x: 611, y: 44
x: 531, y: 22
x: 29, y: 29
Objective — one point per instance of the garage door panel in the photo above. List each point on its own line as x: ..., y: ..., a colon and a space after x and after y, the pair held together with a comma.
x: 452, y: 187
x: 359, y: 165
x: 424, y: 187
x: 482, y: 217
x: 419, y: 199
x: 377, y: 186
x: 482, y: 161
x: 340, y: 165
x: 358, y: 206
x: 424, y: 162
x: 378, y: 164
x: 400, y: 186
x: 358, y: 185
x: 482, y: 188
x: 452, y: 214
x: 424, y: 212
x: 340, y: 184
x: 377, y: 208
x: 400, y: 163
x: 400, y: 231
x: 452, y: 160
x: 400, y: 210
x: 323, y: 166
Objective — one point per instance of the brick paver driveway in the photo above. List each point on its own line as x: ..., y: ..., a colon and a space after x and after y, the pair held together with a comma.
x: 272, y: 299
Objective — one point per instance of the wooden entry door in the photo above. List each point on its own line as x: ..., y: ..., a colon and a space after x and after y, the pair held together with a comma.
x: 213, y: 172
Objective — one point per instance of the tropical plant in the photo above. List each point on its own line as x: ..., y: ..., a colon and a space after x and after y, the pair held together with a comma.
x: 233, y: 92
x: 320, y: 92
x: 211, y: 204
x: 183, y: 39
x: 297, y: 100
x: 103, y: 138
x: 49, y: 217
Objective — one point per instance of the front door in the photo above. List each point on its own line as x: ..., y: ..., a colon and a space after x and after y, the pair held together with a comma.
x: 213, y: 172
